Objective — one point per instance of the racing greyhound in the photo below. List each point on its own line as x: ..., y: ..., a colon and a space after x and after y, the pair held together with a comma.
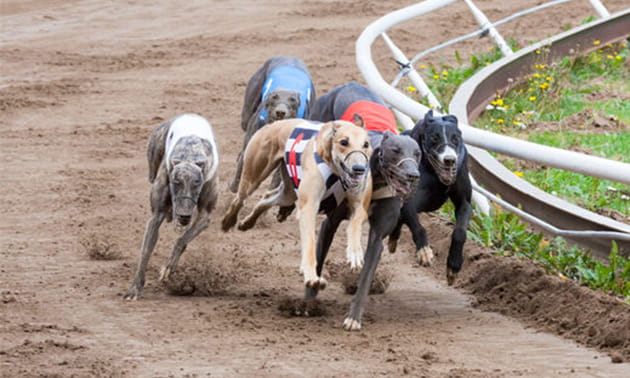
x: 183, y: 161
x: 281, y: 89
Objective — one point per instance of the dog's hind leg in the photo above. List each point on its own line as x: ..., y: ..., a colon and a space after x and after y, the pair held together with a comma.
x: 148, y: 244
x: 380, y: 226
x: 463, y: 212
x: 201, y: 223
x: 280, y: 195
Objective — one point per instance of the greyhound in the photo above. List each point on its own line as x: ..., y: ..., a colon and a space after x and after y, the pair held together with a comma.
x: 183, y: 161
x: 281, y: 89
x: 444, y: 170
x: 326, y: 164
x: 394, y: 167
x: 346, y: 100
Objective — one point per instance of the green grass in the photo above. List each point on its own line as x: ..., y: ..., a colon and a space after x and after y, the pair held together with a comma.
x: 551, y: 94
x: 505, y: 232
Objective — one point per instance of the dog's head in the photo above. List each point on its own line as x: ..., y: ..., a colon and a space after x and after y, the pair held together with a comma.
x: 191, y: 162
x: 398, y: 159
x: 346, y: 148
x: 282, y: 104
x: 441, y: 142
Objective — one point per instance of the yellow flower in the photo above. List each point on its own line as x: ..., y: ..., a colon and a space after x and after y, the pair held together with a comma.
x: 411, y: 89
x: 549, y: 78
x: 520, y: 90
x: 498, y: 102
x: 543, y: 86
x: 597, y: 42
x: 487, y: 63
x: 445, y: 73
x: 623, y: 45
x: 609, y: 56
x: 530, y: 89
x: 423, y: 66
x: 537, y: 51
x: 532, y: 98
x: 499, y: 121
x: 436, y: 76
x: 518, y: 173
x: 618, y: 57
x: 536, y: 74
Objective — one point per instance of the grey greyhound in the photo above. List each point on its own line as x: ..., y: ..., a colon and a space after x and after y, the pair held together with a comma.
x: 183, y: 161
x: 394, y: 167
x: 281, y: 89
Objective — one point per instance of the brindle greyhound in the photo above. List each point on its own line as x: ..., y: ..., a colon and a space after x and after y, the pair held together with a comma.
x: 444, y: 170
x: 394, y: 167
x: 183, y: 162
x: 281, y: 89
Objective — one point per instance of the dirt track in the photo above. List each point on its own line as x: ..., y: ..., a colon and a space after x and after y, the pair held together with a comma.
x: 83, y: 84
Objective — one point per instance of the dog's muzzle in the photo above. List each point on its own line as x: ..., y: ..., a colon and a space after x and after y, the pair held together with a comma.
x: 353, y: 177
x: 445, y: 170
x: 183, y: 209
x: 402, y: 177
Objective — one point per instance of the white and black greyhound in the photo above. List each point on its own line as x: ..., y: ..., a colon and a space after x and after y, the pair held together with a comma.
x: 183, y: 161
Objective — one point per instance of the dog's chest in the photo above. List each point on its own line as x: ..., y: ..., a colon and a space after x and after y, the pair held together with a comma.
x: 294, y: 149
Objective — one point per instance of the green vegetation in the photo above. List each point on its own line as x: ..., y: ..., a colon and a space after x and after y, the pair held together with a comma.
x: 505, y: 232
x: 589, y: 84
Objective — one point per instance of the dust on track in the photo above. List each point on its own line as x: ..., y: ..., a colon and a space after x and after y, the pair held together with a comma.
x: 84, y: 83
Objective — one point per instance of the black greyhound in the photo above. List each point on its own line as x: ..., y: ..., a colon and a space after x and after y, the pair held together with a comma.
x: 444, y: 172
x: 394, y: 167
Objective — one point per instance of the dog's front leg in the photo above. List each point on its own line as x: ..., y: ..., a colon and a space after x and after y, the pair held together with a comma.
x: 358, y: 207
x: 148, y: 244
x: 463, y: 212
x: 307, y: 212
x: 382, y: 222
x: 201, y: 223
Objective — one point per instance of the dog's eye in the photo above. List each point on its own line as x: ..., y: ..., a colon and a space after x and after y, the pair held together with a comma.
x: 275, y: 97
x: 366, y: 145
x: 292, y: 100
x: 197, y: 182
x: 344, y: 142
x: 455, y: 139
x: 396, y: 151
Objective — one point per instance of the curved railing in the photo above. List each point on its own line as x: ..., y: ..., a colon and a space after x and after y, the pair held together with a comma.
x: 538, y: 207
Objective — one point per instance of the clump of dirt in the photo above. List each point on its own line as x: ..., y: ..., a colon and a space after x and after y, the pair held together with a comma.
x: 348, y: 278
x: 99, y: 247
x: 521, y: 288
x: 200, y: 276
x: 291, y: 307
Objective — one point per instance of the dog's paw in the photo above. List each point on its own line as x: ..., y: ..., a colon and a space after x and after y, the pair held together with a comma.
x: 450, y: 276
x: 425, y: 256
x: 355, y: 258
x: 392, y: 244
x: 165, y: 273
x: 133, y: 294
x: 246, y: 224
x: 319, y: 283
x: 227, y: 223
x: 350, y: 324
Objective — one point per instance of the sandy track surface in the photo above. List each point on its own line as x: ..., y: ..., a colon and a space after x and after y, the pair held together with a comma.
x: 82, y: 85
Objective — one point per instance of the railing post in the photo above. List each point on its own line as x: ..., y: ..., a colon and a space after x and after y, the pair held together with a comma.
x: 487, y: 25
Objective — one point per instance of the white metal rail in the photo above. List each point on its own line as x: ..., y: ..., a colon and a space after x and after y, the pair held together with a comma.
x: 563, y: 159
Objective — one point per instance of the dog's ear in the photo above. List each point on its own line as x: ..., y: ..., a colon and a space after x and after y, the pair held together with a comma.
x: 418, y: 130
x: 358, y: 120
x: 324, y: 149
x: 450, y: 118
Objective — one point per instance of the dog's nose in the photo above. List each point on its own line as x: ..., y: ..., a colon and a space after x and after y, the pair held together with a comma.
x: 449, y: 161
x: 358, y: 169
x: 184, y: 219
x: 413, y: 176
x: 280, y: 113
